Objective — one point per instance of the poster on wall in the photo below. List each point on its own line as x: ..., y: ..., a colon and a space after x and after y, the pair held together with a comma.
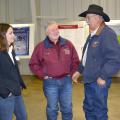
x: 24, y: 40
x: 75, y: 32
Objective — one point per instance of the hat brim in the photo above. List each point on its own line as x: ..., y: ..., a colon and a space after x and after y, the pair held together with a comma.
x: 105, y: 16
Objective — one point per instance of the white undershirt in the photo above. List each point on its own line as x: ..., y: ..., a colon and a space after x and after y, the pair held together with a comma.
x: 85, y: 53
x: 10, y: 53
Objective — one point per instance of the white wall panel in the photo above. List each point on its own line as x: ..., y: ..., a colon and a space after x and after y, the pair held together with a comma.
x: 95, y: 2
x: 117, y: 7
x: 15, y: 11
x: 22, y: 11
x: 111, y: 11
x: 104, y: 4
x: 69, y: 9
x: 61, y: 8
x: 19, y: 10
x: 45, y: 7
x: 77, y: 7
x: 54, y: 8
x: 4, y: 11
x: 37, y: 6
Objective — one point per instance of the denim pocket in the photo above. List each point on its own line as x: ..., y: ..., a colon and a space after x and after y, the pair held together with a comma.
x: 49, y: 82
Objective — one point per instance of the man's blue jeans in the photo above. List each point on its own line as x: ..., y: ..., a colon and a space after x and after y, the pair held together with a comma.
x: 95, y: 102
x: 58, y: 93
x: 10, y: 105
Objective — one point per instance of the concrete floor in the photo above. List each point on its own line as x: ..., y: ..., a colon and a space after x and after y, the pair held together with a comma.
x: 35, y: 101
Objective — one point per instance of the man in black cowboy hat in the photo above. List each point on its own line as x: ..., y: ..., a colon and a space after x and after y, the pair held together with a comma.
x: 100, y: 61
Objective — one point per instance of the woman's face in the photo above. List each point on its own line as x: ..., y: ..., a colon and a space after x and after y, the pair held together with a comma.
x: 10, y: 36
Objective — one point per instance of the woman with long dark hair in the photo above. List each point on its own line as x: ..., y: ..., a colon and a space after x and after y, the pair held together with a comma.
x: 11, y: 82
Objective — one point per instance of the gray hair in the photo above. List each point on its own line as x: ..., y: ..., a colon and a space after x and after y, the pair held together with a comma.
x: 49, y: 23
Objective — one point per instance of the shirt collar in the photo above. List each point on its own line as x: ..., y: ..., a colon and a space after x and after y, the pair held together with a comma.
x: 49, y: 44
x: 10, y: 49
x: 93, y: 32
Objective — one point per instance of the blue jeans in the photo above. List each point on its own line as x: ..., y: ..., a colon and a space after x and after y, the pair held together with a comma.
x: 58, y: 93
x: 95, y: 102
x: 10, y: 105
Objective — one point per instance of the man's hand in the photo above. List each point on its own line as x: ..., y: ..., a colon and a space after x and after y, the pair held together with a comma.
x: 75, y: 77
x: 101, y: 82
x: 46, y: 77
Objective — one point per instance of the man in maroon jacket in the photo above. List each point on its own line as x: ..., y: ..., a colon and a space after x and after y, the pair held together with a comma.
x: 55, y: 60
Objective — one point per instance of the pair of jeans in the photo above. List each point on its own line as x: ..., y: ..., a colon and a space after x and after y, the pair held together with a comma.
x: 95, y: 102
x: 58, y: 93
x: 12, y: 104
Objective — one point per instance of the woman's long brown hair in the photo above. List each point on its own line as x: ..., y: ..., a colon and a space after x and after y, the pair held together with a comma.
x: 3, y: 41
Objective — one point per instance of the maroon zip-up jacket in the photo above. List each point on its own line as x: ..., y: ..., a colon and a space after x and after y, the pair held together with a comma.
x: 53, y: 60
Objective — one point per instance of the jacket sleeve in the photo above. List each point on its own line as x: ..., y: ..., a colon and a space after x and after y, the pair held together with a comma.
x: 36, y: 61
x: 75, y: 60
x: 23, y: 86
x: 80, y: 68
x: 111, y: 51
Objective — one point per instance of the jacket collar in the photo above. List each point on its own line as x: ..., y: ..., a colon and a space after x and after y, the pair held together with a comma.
x: 48, y: 44
x: 100, y: 28
x: 8, y: 57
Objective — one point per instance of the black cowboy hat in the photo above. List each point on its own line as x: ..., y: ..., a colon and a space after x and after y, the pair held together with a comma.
x: 95, y: 9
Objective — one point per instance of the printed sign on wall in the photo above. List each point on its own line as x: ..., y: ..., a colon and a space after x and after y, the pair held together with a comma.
x: 22, y: 40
